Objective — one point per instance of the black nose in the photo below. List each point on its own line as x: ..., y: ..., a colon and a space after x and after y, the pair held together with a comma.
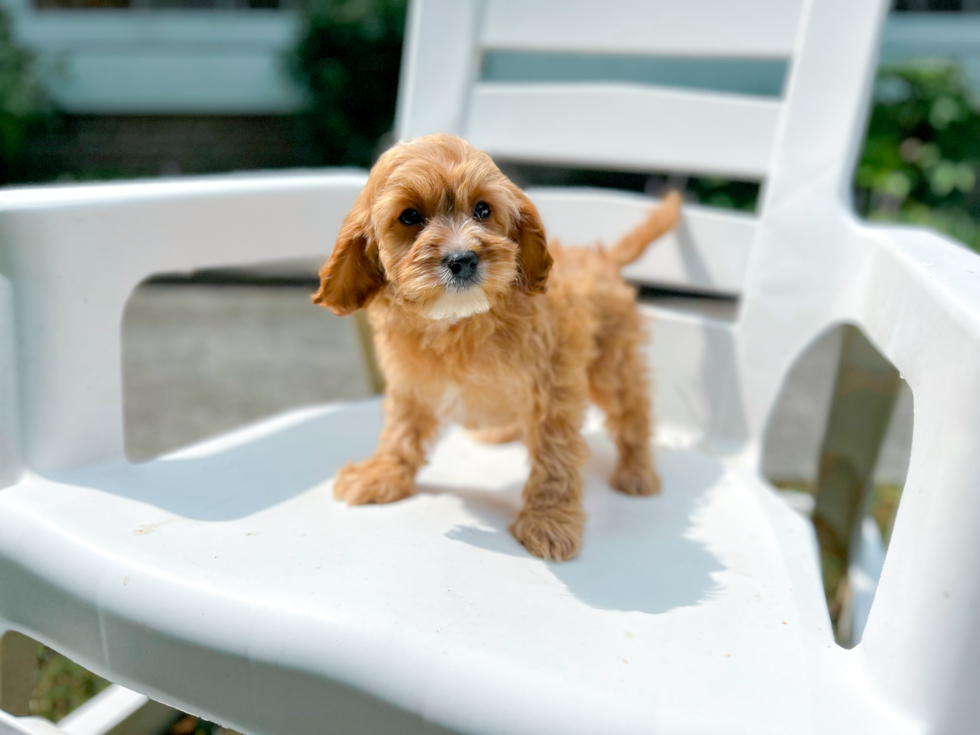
x: 462, y: 264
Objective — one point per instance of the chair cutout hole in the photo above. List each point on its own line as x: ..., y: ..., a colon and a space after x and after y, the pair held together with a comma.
x: 837, y: 446
x: 57, y: 689
x: 208, y: 352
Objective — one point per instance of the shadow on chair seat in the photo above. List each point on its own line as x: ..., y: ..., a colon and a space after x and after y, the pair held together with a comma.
x: 232, y: 565
x: 639, y: 554
x: 247, y: 471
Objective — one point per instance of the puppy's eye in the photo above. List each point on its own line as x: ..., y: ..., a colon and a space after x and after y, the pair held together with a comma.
x: 481, y: 210
x: 410, y: 218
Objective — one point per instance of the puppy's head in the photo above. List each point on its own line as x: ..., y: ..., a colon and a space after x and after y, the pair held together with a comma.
x: 440, y: 230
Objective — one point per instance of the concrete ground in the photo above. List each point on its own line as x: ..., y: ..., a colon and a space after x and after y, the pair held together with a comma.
x: 792, y: 444
x: 200, y: 360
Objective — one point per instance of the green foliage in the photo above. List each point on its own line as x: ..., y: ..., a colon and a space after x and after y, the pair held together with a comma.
x: 23, y: 105
x: 61, y: 686
x: 349, y: 61
x: 833, y: 564
x: 921, y: 158
x: 922, y: 155
x: 724, y: 194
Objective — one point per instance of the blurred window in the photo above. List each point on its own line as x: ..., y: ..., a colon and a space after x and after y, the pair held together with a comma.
x: 914, y: 6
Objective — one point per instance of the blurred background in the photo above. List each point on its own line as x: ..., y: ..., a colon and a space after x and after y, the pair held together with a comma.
x: 108, y: 89
x: 96, y: 90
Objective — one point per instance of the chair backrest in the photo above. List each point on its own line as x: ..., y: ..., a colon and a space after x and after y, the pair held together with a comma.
x: 608, y: 125
x: 802, y: 143
x: 612, y: 126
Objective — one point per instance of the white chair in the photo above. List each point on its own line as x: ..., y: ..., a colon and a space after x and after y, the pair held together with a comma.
x: 225, y: 581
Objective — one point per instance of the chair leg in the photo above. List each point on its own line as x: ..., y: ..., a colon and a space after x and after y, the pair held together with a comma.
x: 119, y: 711
x: 18, y: 665
x: 864, y: 396
x: 365, y: 335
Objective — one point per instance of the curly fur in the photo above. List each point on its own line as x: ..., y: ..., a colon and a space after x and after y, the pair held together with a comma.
x: 553, y: 328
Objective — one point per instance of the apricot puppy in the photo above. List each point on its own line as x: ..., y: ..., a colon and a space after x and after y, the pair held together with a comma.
x: 479, y: 320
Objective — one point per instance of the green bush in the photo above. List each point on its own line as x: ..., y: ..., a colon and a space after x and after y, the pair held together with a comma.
x: 61, y: 685
x: 921, y: 158
x: 24, y: 108
x: 349, y: 60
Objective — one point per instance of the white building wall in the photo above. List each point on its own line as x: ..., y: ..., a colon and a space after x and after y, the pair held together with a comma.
x: 174, y: 62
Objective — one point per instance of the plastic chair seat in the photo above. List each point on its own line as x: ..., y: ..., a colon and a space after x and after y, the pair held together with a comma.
x: 226, y: 574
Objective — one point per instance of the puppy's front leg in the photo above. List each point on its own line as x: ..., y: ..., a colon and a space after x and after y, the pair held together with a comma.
x: 389, y: 475
x: 551, y: 522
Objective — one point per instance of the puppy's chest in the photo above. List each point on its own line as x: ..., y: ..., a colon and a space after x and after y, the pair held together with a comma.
x: 450, y: 403
x: 489, y: 398
x: 483, y: 386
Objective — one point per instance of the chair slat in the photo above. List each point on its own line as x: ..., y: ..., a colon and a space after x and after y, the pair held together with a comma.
x: 708, y: 253
x: 625, y: 127
x: 720, y: 28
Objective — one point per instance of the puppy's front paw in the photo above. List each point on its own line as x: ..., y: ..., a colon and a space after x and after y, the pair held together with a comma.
x: 551, y: 533
x: 635, y: 480
x: 375, y: 480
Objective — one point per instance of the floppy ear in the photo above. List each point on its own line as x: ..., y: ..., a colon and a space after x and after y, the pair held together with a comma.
x: 352, y: 274
x: 534, y: 259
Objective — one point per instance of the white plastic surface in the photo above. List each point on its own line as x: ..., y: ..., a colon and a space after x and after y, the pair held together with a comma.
x: 698, y: 28
x: 10, y: 725
x: 709, y: 251
x: 74, y: 255
x: 693, y: 132
x: 10, y: 463
x: 230, y: 582
x: 609, y: 126
x: 225, y: 580
x: 105, y: 710
x: 117, y: 710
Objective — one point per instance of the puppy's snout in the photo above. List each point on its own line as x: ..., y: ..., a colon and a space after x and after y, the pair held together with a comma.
x: 462, y: 265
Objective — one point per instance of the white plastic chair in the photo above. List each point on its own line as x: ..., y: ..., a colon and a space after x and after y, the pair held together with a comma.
x: 225, y: 581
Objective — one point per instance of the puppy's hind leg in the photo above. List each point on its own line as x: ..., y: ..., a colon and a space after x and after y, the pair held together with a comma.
x: 618, y: 384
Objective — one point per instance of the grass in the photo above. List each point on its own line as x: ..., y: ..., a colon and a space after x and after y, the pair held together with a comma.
x: 884, y: 506
x: 833, y: 564
x: 61, y: 686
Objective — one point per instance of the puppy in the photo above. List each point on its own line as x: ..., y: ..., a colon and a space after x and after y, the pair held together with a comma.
x: 479, y: 320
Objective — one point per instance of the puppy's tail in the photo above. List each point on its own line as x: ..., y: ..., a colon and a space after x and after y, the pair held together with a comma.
x: 659, y: 222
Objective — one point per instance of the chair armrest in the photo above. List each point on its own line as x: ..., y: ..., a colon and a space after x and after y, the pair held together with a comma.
x: 10, y: 460
x: 74, y: 255
x: 918, y: 282
x: 921, y: 306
